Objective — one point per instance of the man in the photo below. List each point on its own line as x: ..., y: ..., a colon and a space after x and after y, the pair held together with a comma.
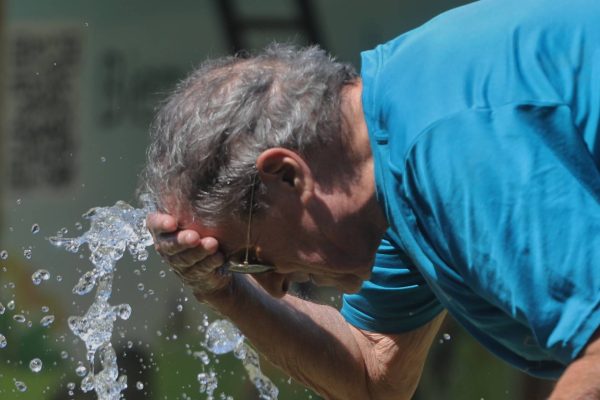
x: 458, y: 172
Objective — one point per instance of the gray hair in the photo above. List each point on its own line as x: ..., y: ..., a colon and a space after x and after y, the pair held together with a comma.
x: 209, y: 132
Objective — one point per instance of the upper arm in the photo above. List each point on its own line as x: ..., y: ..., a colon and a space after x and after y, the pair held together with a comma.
x: 394, y: 362
x: 395, y: 299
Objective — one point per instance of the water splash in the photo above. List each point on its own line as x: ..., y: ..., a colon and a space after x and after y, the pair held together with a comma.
x: 223, y: 337
x: 113, y: 231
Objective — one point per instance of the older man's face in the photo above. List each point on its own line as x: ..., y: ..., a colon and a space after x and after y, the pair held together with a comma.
x: 314, y: 243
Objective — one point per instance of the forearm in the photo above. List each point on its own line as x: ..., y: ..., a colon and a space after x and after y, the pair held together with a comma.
x: 310, y: 342
x: 581, y: 380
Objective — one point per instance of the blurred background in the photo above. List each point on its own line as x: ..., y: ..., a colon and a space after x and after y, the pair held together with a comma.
x: 79, y: 80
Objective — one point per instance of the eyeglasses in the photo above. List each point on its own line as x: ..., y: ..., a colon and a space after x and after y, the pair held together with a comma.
x: 246, y: 267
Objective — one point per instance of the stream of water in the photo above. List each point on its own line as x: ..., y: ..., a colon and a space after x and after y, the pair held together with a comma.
x: 113, y: 232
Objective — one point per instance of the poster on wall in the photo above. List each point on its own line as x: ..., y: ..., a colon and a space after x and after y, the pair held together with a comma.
x: 44, y: 71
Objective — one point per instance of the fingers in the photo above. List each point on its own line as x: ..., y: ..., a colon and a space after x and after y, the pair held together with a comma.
x: 172, y: 243
x: 158, y: 223
x: 205, y: 276
x: 196, y: 257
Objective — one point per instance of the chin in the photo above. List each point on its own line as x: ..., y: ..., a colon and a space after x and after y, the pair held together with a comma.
x: 349, y: 289
x: 344, y: 283
x: 350, y: 284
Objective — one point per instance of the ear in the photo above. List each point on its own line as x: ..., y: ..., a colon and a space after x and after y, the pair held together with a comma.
x: 285, y: 169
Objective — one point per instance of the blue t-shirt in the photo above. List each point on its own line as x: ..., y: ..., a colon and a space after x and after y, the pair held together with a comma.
x: 484, y: 125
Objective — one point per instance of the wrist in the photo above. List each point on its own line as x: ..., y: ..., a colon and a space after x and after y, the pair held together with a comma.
x: 221, y: 298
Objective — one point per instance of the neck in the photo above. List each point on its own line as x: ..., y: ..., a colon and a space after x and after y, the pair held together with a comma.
x: 360, y: 146
x: 360, y: 219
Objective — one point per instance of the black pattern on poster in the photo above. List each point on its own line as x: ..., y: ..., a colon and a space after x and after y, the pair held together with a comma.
x: 44, y: 74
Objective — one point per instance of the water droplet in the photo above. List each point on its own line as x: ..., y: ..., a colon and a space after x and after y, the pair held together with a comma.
x: 71, y: 385
x: 3, y: 254
x: 35, y: 228
x: 71, y: 245
x: 21, y: 387
x: 86, y: 24
x: 45, y: 309
x: 27, y: 253
x: 81, y: 370
x: 35, y: 365
x: 241, y: 352
x: 86, y: 283
x: 19, y: 318
x: 223, y: 337
x: 446, y: 336
x: 64, y: 355
x: 140, y: 286
x: 87, y: 383
x: 202, y: 356
x: 208, y: 382
x: 139, y: 385
x: 40, y: 275
x: 2, y: 309
x: 179, y: 307
x: 78, y: 226
x: 59, y: 278
x: 103, y: 159
x: 2, y: 341
x: 11, y: 305
x: 123, y: 311
x: 47, y: 320
x: 162, y: 273
x: 19, y: 202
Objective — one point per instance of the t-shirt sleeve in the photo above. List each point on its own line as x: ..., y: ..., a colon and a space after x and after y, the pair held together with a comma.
x: 396, y: 298
x: 509, y: 199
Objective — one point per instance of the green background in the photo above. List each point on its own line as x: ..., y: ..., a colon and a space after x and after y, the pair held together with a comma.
x: 131, y: 53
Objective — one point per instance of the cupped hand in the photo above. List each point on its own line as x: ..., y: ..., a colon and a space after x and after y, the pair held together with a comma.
x: 195, y: 259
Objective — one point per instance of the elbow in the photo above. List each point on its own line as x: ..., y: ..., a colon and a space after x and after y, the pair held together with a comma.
x: 397, y: 391
x: 381, y: 384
